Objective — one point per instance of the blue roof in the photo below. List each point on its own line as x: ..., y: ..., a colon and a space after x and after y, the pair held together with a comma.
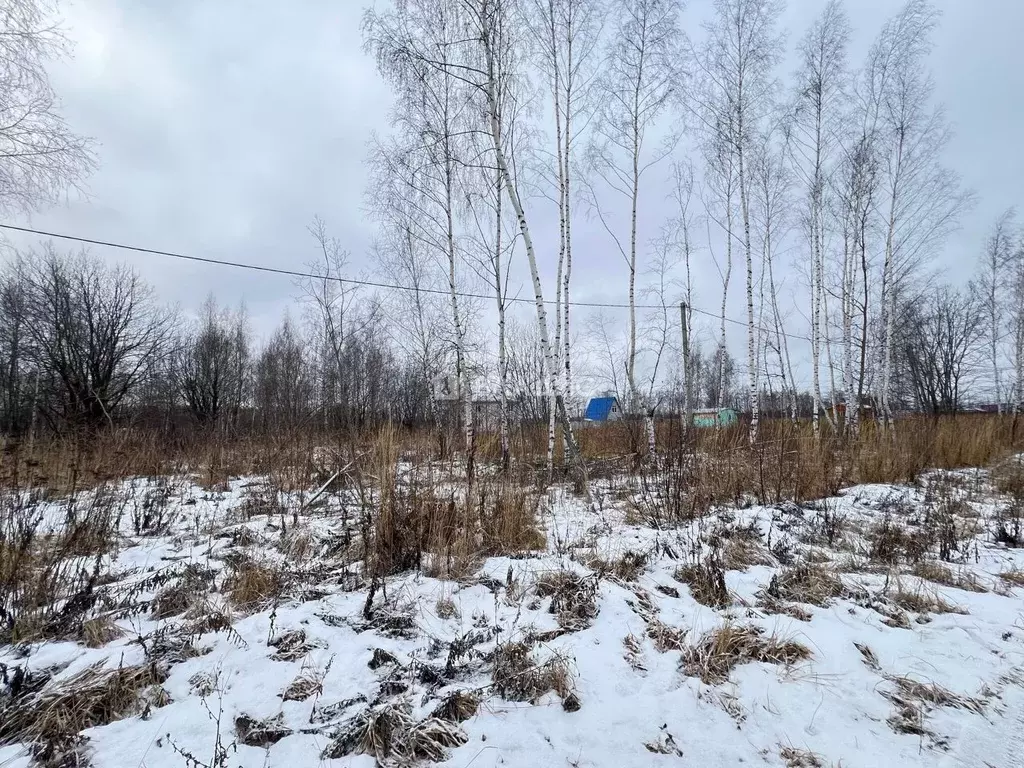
x: 599, y: 408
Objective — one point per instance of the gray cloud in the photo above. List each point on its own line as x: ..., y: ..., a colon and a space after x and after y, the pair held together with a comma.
x: 224, y: 127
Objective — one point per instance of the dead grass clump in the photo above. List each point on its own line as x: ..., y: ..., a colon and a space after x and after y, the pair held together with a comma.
x: 718, y: 652
x: 935, y: 695
x: 303, y: 687
x: 291, y: 646
x: 706, y: 581
x: 812, y: 584
x: 770, y: 605
x: 1008, y: 477
x: 664, y: 637
x: 922, y: 600
x: 99, y: 631
x: 914, y: 699
x: 177, y: 598
x: 297, y: 544
x: 457, y: 707
x: 431, y: 739
x: 253, y: 584
x: 741, y: 552
x: 1013, y: 577
x: 891, y: 544
x: 627, y: 567
x: 800, y: 758
x: 964, y: 579
x: 389, y: 734
x: 508, y: 518
x: 50, y: 720
x: 519, y: 676
x: 446, y: 608
x: 260, y: 733
x: 573, y: 598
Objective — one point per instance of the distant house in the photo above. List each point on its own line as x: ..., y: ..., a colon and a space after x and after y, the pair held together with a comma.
x: 602, y: 409
x: 715, y: 417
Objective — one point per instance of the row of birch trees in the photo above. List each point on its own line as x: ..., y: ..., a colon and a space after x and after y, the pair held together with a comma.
x: 691, y: 153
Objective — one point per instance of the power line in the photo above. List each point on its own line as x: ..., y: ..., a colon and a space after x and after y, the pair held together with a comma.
x: 368, y: 283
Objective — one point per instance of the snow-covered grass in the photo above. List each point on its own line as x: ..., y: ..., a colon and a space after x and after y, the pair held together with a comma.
x: 243, y: 627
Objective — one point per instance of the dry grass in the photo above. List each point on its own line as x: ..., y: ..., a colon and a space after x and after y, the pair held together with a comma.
x: 253, y: 584
x: 390, y: 734
x: 921, y: 600
x: 800, y: 758
x: 573, y: 597
x: 626, y: 567
x: 194, y: 582
x: 1013, y: 577
x: 741, y: 552
x: 706, y: 581
x: 913, y: 699
x: 99, y: 631
x: 718, y: 652
x: 303, y: 687
x: 445, y: 608
x: 519, y: 676
x: 51, y: 720
x: 253, y: 732
x: 962, y: 578
x: 814, y: 584
x: 664, y: 637
x: 890, y: 543
x: 457, y: 707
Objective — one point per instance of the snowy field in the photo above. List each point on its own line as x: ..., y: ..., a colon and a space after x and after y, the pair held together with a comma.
x: 818, y: 635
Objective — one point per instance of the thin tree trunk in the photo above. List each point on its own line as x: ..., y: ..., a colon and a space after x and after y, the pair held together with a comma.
x: 755, y: 409
x: 531, y: 254
x: 687, y: 381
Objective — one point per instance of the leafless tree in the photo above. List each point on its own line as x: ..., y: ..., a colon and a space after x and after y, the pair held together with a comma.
x: 772, y: 202
x: 15, y: 371
x: 209, y: 372
x: 939, y: 344
x: 922, y: 200
x: 813, y: 134
x: 419, y: 47
x: 641, y: 76
x: 283, y: 385
x: 40, y: 157
x: 567, y: 33
x: 1016, y: 321
x: 994, y: 282
x: 93, y: 329
x: 742, y: 51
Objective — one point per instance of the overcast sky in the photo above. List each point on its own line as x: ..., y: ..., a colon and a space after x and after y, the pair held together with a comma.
x: 224, y: 127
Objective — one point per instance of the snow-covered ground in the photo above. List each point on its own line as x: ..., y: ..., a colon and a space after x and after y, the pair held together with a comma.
x: 593, y: 652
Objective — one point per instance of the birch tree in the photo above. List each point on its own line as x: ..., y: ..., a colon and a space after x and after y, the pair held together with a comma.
x: 813, y: 132
x: 399, y: 39
x: 641, y: 76
x: 432, y: 114
x: 742, y: 51
x: 1016, y: 323
x: 41, y: 158
x: 772, y: 184
x: 567, y: 33
x: 996, y: 278
x: 921, y: 199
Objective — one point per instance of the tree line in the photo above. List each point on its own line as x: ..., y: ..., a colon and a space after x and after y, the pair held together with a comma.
x: 684, y: 148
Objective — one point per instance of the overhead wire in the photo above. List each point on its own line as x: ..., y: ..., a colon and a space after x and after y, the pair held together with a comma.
x: 382, y: 285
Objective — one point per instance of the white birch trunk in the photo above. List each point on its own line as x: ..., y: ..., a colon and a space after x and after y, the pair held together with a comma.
x: 531, y: 254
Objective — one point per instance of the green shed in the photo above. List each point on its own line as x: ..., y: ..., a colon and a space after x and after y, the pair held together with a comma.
x: 715, y: 417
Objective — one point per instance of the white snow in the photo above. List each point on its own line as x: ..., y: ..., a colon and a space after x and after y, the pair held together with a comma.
x: 833, y: 705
